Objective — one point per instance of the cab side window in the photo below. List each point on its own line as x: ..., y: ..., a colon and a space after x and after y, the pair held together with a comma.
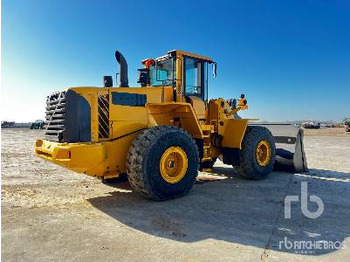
x: 195, y: 77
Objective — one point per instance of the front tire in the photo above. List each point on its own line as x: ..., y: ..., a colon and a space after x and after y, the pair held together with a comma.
x: 258, y: 153
x: 162, y: 163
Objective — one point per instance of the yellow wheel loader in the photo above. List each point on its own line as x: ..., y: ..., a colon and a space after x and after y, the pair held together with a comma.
x: 162, y: 133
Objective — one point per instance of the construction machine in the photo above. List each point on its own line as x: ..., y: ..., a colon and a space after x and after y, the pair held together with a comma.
x: 347, y: 126
x: 159, y: 134
x: 38, y: 124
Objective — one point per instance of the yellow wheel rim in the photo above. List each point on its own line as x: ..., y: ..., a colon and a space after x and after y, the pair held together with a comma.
x: 173, y: 164
x: 263, y: 153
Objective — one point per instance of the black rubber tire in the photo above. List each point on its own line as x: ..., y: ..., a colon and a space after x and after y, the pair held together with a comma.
x: 143, y: 162
x: 207, y: 164
x: 249, y: 167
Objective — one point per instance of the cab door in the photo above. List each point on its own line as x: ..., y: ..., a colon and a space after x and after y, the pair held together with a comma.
x: 196, y: 84
x: 195, y: 78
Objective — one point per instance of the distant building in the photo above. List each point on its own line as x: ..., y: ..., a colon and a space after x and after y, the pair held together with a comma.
x: 12, y: 124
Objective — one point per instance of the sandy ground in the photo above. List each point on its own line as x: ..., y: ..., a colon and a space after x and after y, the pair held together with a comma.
x: 52, y: 214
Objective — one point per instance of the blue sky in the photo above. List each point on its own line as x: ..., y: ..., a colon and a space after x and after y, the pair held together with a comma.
x: 290, y: 58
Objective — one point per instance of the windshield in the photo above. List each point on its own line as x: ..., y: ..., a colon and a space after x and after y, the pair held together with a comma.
x: 163, y: 73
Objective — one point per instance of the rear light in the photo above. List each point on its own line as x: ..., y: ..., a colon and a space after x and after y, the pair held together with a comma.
x: 38, y: 143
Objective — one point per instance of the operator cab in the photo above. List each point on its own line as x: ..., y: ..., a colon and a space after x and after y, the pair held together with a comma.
x: 187, y: 73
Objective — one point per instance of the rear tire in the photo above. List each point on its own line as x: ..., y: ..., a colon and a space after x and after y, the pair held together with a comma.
x: 145, y: 163
x: 258, y: 153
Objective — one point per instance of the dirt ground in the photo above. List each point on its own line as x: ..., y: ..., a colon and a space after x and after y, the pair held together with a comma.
x: 52, y: 214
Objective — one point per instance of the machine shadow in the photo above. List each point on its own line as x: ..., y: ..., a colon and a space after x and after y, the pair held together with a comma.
x: 238, y: 211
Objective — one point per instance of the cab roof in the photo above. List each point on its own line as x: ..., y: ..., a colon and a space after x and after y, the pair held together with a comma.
x: 184, y: 53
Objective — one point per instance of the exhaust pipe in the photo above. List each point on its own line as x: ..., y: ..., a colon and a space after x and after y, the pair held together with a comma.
x: 124, y: 82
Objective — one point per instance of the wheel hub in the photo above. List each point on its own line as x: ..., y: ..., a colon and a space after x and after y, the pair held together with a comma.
x: 173, y: 164
x: 263, y: 153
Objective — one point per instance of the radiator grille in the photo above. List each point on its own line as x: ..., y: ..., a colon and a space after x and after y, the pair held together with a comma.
x: 55, y: 116
x: 103, y: 116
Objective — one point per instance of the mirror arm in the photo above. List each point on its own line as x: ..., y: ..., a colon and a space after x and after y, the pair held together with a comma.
x: 215, y: 68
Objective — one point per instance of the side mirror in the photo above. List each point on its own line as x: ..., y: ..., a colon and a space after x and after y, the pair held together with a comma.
x: 215, y: 68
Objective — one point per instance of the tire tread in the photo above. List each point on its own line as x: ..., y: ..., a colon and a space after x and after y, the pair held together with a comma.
x: 136, y: 157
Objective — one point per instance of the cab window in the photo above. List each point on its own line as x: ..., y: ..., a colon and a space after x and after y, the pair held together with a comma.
x: 163, y: 73
x: 196, y: 78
